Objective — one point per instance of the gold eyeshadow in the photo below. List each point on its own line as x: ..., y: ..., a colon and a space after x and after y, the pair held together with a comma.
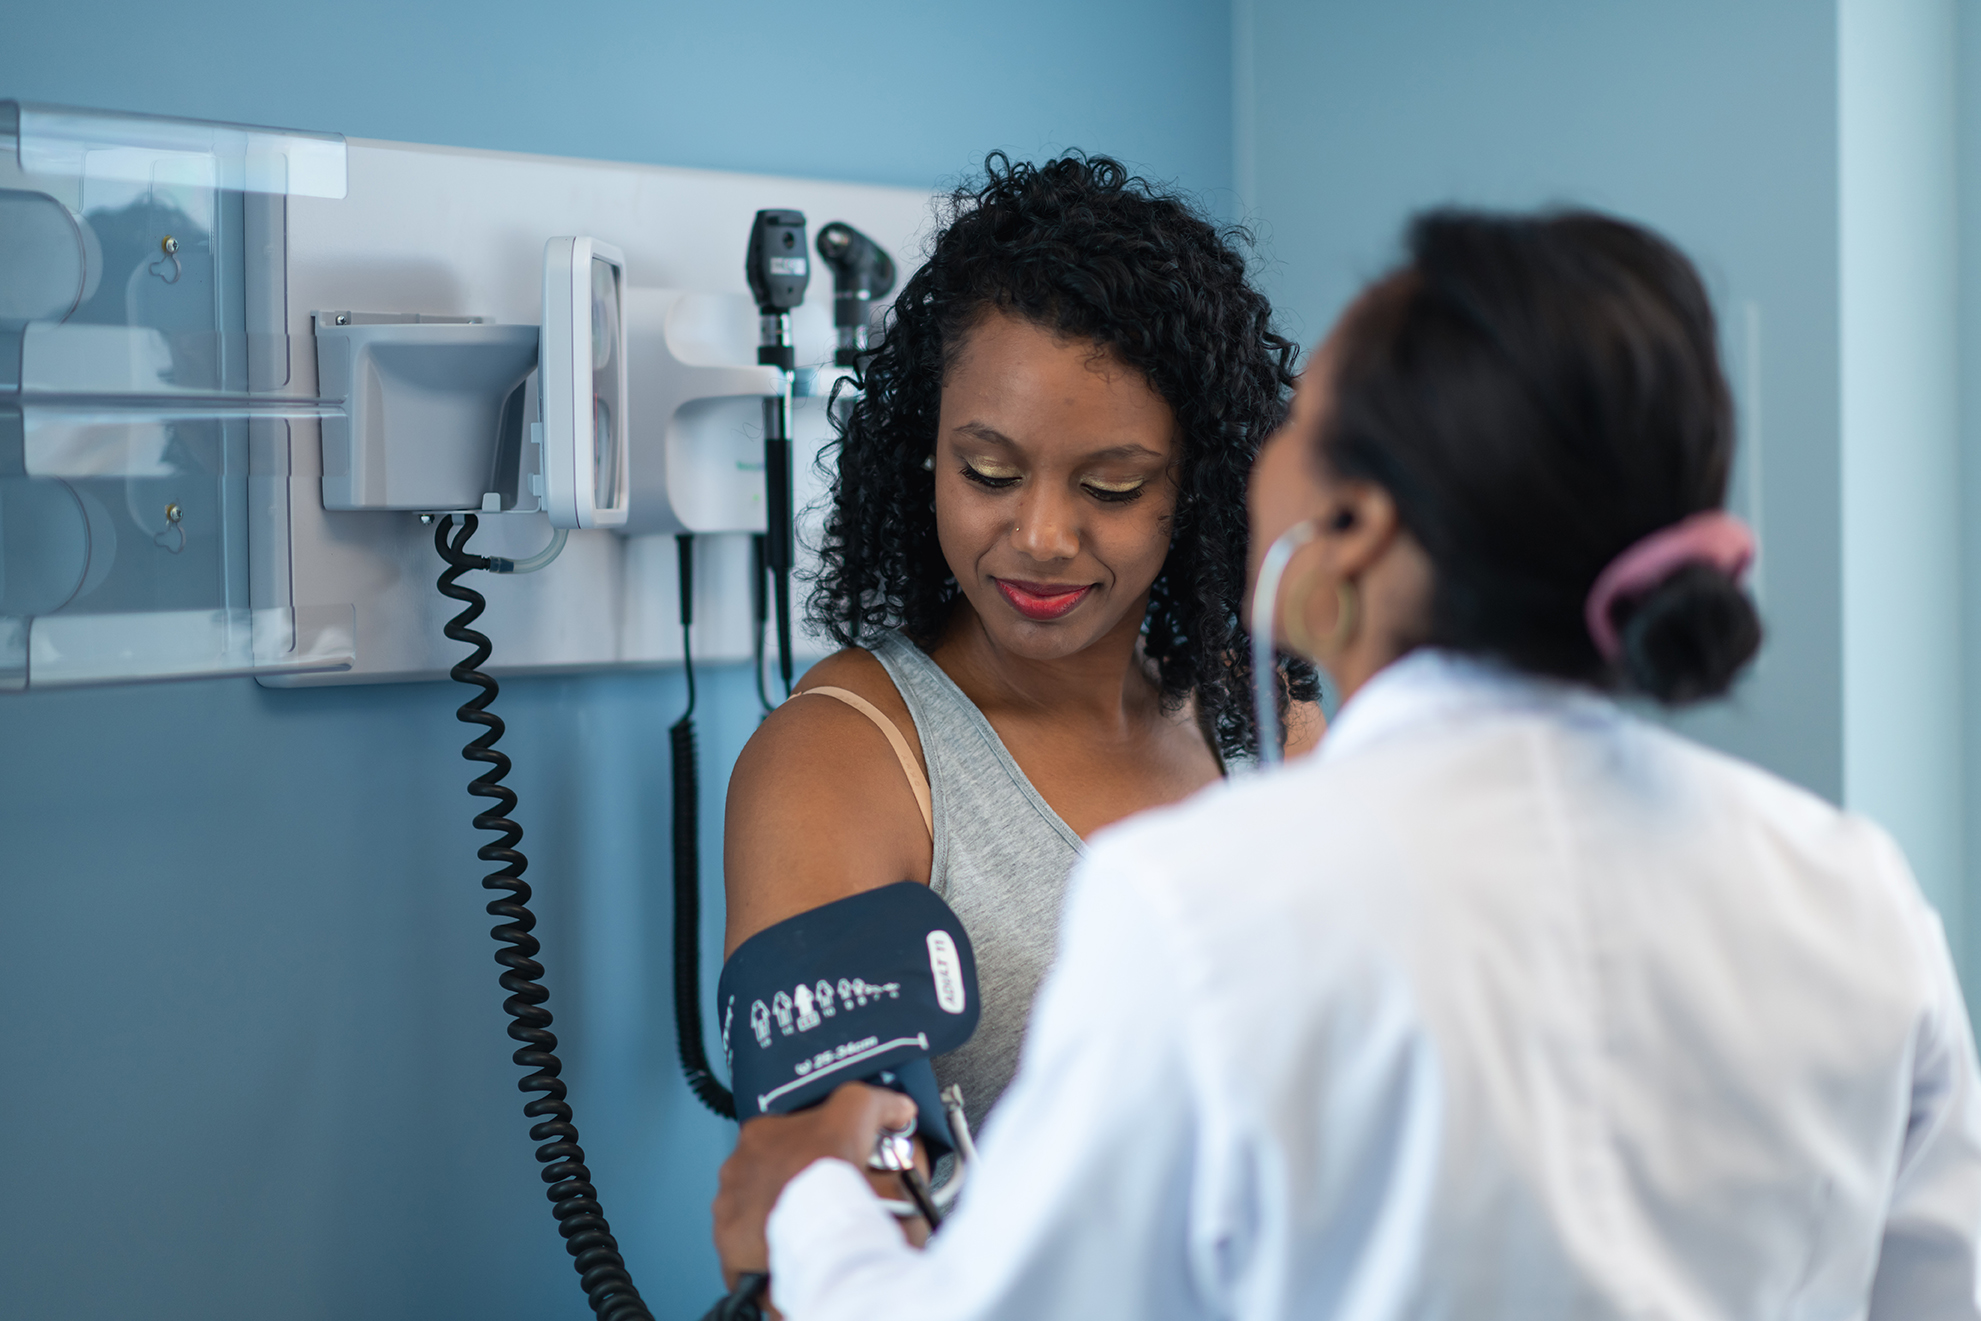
x: 997, y: 476
x: 996, y: 472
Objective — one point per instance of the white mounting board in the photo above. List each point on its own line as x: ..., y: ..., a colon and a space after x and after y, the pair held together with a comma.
x: 453, y: 232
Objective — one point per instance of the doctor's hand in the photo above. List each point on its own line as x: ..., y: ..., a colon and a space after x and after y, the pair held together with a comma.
x: 771, y: 1150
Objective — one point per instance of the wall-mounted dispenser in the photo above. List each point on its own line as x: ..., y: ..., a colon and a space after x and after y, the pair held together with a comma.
x: 423, y: 401
x: 146, y: 399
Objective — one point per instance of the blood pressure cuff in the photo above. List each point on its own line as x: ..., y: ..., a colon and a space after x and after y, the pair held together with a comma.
x: 866, y: 988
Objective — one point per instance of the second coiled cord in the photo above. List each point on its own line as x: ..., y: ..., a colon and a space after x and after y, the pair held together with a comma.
x: 688, y: 884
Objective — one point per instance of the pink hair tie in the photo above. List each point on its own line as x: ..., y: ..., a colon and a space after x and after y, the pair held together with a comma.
x: 1715, y: 537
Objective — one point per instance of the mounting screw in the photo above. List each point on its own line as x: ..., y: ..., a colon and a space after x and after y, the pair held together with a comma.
x: 426, y: 518
x: 170, y: 245
x: 174, y: 527
x: 343, y: 318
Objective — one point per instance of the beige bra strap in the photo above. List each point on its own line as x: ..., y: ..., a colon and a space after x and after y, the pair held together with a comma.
x: 916, y: 780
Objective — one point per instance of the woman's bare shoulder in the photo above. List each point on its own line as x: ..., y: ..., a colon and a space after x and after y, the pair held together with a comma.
x: 819, y: 806
x: 858, y: 672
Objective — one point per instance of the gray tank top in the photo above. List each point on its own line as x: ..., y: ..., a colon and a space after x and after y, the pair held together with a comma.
x: 1001, y: 862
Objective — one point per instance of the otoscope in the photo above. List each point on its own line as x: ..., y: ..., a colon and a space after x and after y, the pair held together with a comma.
x: 778, y: 272
x: 861, y: 272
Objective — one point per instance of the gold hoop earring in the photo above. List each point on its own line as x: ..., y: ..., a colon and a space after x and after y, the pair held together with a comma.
x: 1347, y: 615
x: 1299, y: 636
x: 1347, y: 618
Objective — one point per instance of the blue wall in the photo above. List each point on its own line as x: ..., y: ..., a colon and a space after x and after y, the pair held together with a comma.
x: 258, y: 1028
x: 879, y: 91
x: 1967, y: 152
x: 1900, y: 390
x: 259, y: 1054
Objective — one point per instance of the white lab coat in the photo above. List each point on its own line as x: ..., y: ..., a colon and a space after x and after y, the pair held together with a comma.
x: 1506, y: 1004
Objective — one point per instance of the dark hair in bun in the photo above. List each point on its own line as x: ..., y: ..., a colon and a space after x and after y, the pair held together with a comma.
x: 1538, y: 393
x: 1688, y: 637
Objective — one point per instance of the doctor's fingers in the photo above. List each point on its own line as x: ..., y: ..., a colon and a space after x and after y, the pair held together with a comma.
x: 858, y: 1113
x: 774, y: 1149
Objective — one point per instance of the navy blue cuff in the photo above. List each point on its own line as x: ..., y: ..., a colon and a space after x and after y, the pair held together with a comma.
x: 866, y: 988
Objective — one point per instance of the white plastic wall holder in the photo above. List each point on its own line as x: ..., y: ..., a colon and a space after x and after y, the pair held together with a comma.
x: 422, y: 406
x: 583, y: 388
x: 698, y: 413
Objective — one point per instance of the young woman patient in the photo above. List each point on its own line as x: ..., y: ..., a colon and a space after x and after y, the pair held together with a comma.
x: 1033, y: 557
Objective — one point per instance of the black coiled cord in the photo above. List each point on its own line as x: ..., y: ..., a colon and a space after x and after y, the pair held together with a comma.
x: 688, y: 873
x: 574, y: 1201
x: 745, y: 1302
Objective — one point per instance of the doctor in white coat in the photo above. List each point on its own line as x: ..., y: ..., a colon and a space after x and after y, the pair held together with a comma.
x: 1507, y: 1003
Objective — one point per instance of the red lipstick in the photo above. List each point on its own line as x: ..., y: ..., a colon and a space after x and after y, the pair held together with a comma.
x: 1042, y: 601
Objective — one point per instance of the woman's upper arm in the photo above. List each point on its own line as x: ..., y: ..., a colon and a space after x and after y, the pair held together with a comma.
x: 819, y: 807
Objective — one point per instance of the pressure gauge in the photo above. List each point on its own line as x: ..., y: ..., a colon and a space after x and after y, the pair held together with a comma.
x: 583, y: 384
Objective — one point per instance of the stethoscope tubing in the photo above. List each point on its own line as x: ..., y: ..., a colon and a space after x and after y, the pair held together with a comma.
x: 1265, y: 609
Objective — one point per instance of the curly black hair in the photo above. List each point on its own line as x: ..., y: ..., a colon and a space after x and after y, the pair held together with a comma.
x: 1081, y: 247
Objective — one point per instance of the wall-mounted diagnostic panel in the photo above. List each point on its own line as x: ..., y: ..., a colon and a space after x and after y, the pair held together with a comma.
x: 238, y: 365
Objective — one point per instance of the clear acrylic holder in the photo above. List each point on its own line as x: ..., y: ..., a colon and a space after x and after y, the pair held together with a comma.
x: 144, y: 424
